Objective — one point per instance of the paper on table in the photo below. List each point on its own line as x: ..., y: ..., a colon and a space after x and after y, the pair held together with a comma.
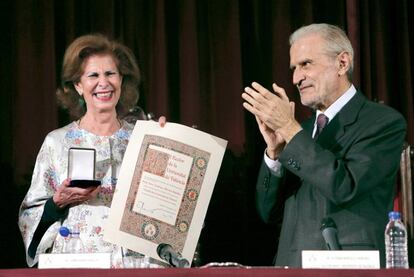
x: 342, y: 259
x: 164, y: 188
x: 78, y: 260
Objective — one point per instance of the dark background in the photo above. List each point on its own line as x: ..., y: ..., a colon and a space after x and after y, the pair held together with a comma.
x: 196, y: 57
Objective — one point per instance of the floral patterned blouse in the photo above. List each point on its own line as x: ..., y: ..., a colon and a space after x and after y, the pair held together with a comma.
x: 51, y: 170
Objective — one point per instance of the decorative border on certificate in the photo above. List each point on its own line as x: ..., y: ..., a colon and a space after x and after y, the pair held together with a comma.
x: 164, y: 190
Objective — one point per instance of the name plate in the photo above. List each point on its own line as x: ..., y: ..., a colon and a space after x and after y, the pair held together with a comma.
x: 83, y: 260
x: 362, y: 259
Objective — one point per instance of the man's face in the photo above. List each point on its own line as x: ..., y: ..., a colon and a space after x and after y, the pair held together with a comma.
x: 315, y: 72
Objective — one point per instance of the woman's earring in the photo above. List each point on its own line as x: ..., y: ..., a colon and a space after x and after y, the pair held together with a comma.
x: 81, y: 101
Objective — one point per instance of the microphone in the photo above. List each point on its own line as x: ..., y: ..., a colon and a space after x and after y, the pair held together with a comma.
x: 329, y: 233
x: 167, y: 253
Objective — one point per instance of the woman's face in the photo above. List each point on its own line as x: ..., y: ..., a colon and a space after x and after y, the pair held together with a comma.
x: 100, y: 83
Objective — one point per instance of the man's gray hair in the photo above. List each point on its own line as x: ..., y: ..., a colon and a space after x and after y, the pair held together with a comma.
x: 336, y: 40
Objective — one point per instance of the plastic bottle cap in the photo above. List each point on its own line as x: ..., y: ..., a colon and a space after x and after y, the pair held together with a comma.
x: 394, y: 215
x: 64, y: 231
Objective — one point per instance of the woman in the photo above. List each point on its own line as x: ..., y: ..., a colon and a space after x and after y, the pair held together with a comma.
x: 99, y: 85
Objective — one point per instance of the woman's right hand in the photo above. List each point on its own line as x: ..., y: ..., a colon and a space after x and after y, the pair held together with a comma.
x: 66, y: 195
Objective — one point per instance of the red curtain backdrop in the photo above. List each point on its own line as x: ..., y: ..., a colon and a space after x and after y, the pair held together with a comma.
x: 196, y: 57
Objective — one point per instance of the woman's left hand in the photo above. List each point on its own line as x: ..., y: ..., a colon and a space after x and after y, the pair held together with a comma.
x: 162, y: 120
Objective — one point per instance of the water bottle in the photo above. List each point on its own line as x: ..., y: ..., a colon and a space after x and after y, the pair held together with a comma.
x: 396, y: 254
x: 74, y: 244
x: 64, y: 237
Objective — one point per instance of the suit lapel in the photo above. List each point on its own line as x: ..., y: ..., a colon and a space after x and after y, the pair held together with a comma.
x: 345, y: 117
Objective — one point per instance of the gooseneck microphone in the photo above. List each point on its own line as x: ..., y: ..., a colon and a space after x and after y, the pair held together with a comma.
x: 330, y: 234
x: 167, y: 253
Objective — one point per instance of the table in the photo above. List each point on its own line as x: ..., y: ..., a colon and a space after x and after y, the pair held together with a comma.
x: 204, y: 272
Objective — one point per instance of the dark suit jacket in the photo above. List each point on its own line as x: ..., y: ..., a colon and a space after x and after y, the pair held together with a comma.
x: 347, y: 174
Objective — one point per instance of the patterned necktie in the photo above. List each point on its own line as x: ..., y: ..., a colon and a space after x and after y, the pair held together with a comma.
x: 321, y: 122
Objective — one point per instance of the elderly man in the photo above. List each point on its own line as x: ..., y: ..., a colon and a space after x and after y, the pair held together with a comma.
x: 339, y: 164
